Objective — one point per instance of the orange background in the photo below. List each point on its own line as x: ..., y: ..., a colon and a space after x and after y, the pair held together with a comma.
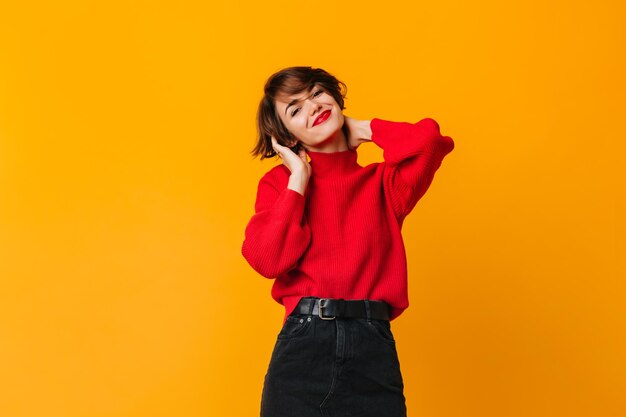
x: 126, y: 184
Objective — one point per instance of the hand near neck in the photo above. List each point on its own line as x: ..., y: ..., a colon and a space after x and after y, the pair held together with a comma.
x: 359, y: 131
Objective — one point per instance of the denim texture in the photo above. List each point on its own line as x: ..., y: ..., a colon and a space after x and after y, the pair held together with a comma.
x: 346, y: 367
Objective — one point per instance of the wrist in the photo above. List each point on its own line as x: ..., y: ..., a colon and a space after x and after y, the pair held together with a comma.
x: 298, y: 182
x: 365, y: 130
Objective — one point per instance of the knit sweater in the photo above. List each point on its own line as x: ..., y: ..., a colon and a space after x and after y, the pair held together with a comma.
x: 342, y: 238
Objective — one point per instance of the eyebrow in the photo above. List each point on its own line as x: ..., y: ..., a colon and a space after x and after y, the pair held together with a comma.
x: 291, y: 104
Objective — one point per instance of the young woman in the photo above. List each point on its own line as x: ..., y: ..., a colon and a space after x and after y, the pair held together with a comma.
x: 328, y: 232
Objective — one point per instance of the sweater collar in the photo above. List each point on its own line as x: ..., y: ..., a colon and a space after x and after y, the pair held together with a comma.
x: 325, y: 164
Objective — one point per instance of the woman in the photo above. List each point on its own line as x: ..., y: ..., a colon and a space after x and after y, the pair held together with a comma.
x: 329, y: 232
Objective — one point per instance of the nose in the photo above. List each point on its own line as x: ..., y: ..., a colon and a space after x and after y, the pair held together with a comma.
x: 313, y: 107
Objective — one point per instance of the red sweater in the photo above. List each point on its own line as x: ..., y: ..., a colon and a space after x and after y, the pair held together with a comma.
x: 343, y: 239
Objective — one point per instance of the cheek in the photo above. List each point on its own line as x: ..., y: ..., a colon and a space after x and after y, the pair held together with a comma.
x: 296, y: 127
x: 291, y: 124
x: 339, y: 117
x: 300, y: 124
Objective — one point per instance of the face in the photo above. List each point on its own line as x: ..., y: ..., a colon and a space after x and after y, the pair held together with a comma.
x: 314, y: 118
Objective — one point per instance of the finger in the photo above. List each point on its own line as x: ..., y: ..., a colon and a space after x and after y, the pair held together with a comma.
x: 279, y: 147
x: 276, y: 146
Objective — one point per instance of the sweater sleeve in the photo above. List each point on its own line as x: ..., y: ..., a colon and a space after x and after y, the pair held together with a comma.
x: 277, y: 235
x: 412, y: 152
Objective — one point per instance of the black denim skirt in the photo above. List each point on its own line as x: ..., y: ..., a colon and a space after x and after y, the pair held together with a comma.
x: 343, y: 367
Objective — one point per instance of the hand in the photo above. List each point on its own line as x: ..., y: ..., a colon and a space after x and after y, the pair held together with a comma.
x: 358, y: 131
x: 297, y: 164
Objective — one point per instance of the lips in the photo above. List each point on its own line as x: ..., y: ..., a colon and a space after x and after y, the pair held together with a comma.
x: 322, y: 117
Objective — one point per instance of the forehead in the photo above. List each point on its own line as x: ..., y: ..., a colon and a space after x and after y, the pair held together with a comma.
x: 286, y: 98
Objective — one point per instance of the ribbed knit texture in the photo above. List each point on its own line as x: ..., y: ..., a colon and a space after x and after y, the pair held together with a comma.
x: 343, y: 239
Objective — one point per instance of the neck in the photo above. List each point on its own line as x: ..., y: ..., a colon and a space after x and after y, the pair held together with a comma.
x: 335, y: 143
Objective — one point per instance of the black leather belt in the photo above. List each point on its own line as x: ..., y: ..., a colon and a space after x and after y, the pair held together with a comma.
x: 329, y: 308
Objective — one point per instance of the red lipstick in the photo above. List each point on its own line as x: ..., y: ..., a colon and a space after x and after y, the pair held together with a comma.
x: 322, y: 118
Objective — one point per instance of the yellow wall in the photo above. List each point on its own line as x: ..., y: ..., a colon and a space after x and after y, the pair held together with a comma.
x: 126, y: 184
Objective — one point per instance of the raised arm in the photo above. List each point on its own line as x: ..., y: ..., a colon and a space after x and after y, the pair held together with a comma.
x: 277, y: 234
x: 412, y: 152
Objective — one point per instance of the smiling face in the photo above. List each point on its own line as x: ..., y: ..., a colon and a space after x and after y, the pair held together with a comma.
x: 314, y: 118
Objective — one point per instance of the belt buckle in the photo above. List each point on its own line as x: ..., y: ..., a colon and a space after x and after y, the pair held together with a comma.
x: 319, y: 313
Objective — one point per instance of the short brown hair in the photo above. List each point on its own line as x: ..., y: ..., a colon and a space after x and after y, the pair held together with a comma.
x: 292, y: 80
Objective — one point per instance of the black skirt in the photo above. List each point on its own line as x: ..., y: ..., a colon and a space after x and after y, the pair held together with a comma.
x: 333, y: 368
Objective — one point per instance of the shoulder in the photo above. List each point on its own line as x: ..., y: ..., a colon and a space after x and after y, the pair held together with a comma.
x: 277, y: 177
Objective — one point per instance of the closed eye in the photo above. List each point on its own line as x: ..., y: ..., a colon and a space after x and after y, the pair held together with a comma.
x: 316, y: 94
